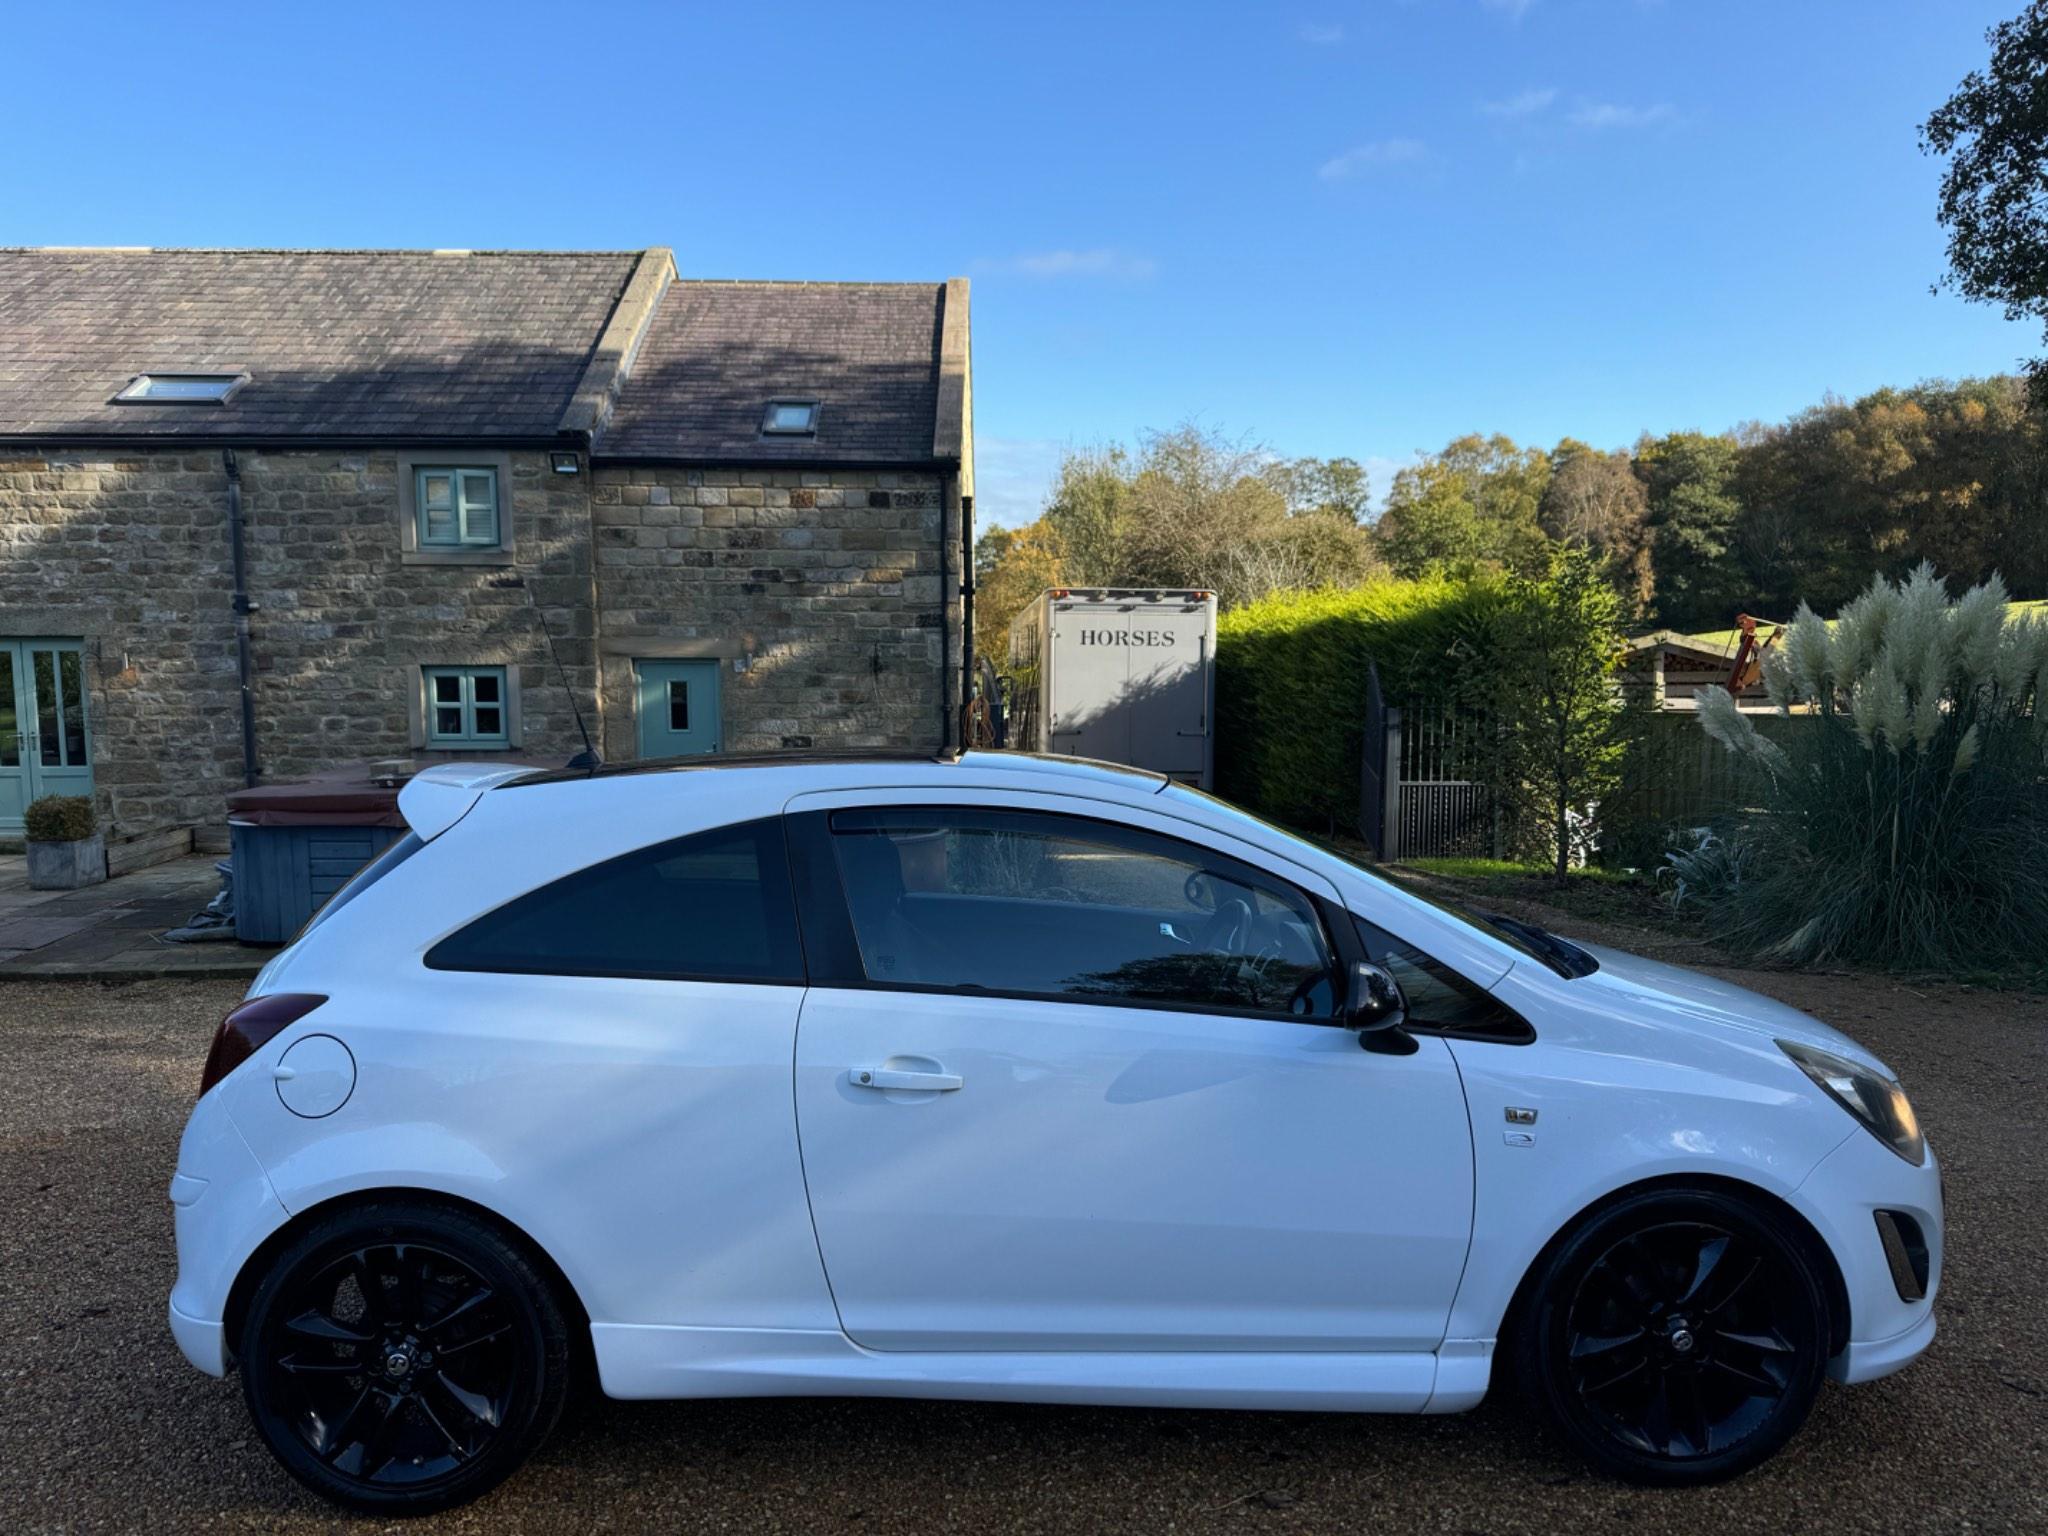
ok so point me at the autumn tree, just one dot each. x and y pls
(1594, 500)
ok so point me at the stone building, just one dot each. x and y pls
(462, 503)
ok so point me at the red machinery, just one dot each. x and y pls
(1749, 654)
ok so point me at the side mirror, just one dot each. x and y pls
(1375, 1010)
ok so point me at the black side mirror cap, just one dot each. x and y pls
(1375, 1010)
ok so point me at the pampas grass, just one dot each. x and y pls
(1907, 825)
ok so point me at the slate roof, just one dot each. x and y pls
(352, 344)
(716, 353)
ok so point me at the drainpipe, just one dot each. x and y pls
(947, 489)
(244, 665)
(967, 677)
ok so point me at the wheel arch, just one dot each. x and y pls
(1803, 1231)
(253, 1267)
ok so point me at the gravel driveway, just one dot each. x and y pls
(104, 1427)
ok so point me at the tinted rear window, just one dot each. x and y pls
(713, 907)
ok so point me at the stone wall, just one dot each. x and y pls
(130, 551)
(818, 592)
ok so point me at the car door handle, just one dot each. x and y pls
(890, 1077)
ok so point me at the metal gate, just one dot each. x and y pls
(1447, 807)
(1422, 792)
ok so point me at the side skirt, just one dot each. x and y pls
(644, 1361)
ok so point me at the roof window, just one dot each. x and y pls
(790, 418)
(182, 388)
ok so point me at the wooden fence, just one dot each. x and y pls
(1676, 774)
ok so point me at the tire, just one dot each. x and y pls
(403, 1358)
(1676, 1337)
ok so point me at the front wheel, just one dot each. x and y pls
(401, 1359)
(1677, 1337)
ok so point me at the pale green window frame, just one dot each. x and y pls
(467, 707)
(457, 506)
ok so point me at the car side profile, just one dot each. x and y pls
(1010, 1078)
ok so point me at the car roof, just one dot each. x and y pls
(437, 798)
(1076, 769)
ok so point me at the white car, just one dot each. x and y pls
(1015, 1078)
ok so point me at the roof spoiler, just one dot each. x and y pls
(435, 800)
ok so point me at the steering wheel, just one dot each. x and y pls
(1228, 929)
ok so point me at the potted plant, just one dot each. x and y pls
(65, 849)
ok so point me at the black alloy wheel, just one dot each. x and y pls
(403, 1359)
(1679, 1337)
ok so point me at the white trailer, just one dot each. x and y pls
(1122, 675)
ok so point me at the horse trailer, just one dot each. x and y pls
(1121, 675)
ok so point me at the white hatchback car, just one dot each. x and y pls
(1005, 1077)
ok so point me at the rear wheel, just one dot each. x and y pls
(401, 1359)
(1677, 1337)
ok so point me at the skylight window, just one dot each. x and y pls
(182, 388)
(791, 418)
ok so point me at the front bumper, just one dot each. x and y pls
(1841, 1198)
(222, 1208)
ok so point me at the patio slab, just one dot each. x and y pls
(114, 930)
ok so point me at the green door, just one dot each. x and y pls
(678, 704)
(44, 745)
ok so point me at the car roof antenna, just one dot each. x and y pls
(588, 758)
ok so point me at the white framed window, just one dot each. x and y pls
(181, 388)
(466, 707)
(790, 418)
(457, 506)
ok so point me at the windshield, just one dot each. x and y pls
(1538, 944)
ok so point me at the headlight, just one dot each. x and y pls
(1877, 1101)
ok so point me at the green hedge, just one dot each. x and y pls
(1291, 683)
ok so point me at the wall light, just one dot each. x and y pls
(565, 463)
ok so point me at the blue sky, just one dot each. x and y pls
(1343, 228)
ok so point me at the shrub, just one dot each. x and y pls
(1909, 825)
(59, 819)
(1291, 682)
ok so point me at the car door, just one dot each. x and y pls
(1067, 1080)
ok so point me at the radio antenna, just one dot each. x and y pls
(588, 758)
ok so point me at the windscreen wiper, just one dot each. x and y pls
(1563, 956)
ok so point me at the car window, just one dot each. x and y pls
(1047, 905)
(713, 907)
(1437, 996)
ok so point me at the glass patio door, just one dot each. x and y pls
(44, 745)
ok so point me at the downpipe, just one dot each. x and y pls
(244, 661)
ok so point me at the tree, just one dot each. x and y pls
(1472, 507)
(1025, 562)
(1692, 521)
(1090, 514)
(1558, 707)
(1330, 487)
(1994, 194)
(1594, 500)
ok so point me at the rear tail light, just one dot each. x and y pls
(251, 1027)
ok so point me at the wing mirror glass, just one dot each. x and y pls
(1375, 1009)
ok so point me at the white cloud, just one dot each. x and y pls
(1365, 157)
(1522, 104)
(1103, 261)
(1012, 476)
(1323, 35)
(1607, 114)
